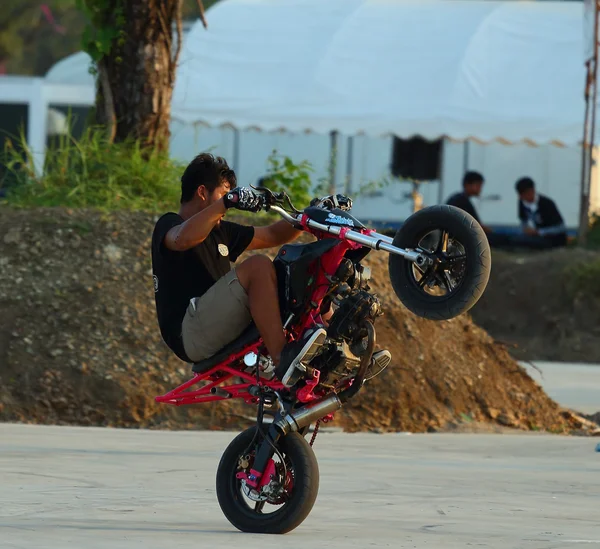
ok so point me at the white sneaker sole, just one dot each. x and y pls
(307, 353)
(380, 361)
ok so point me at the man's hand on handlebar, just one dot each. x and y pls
(243, 198)
(333, 201)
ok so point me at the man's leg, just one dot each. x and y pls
(531, 242)
(257, 276)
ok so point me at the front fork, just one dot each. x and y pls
(264, 454)
(299, 420)
(285, 422)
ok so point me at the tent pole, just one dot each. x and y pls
(349, 162)
(236, 150)
(588, 139)
(583, 222)
(441, 174)
(333, 136)
(594, 111)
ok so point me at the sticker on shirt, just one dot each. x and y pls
(155, 278)
(223, 250)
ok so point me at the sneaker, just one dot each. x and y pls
(379, 362)
(296, 353)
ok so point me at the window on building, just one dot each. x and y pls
(416, 158)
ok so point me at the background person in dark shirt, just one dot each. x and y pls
(472, 185)
(202, 303)
(542, 224)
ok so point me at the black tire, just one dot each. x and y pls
(476, 267)
(291, 513)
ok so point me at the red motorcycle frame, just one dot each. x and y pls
(315, 276)
(217, 375)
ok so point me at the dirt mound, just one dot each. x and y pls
(530, 304)
(79, 343)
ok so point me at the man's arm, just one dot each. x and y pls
(522, 215)
(273, 235)
(553, 217)
(195, 230)
(555, 229)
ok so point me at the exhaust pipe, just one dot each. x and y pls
(302, 417)
(218, 391)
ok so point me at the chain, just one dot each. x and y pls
(315, 432)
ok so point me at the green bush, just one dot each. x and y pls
(582, 278)
(91, 172)
(593, 237)
(295, 179)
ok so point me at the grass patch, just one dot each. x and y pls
(92, 173)
(593, 237)
(582, 278)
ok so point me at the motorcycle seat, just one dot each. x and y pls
(248, 336)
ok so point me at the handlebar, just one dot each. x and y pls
(372, 240)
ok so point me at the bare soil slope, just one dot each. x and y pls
(545, 306)
(79, 343)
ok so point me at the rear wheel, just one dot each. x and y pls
(288, 498)
(460, 263)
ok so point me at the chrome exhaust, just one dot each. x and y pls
(303, 417)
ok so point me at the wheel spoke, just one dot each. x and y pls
(456, 258)
(258, 506)
(427, 276)
(443, 243)
(447, 282)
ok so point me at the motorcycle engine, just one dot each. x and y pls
(346, 332)
(347, 323)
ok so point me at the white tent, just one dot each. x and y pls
(490, 70)
(74, 69)
(507, 71)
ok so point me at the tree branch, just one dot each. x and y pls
(175, 57)
(166, 29)
(202, 18)
(109, 106)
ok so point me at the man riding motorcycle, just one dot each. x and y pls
(202, 303)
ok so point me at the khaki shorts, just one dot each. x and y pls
(216, 318)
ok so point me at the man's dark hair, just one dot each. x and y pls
(524, 184)
(208, 170)
(472, 177)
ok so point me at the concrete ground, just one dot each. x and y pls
(572, 385)
(63, 487)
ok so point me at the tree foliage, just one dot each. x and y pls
(35, 35)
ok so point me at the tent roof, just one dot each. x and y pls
(73, 69)
(489, 70)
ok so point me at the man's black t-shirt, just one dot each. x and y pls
(180, 276)
(462, 201)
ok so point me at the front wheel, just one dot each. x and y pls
(288, 498)
(460, 266)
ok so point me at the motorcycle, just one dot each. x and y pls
(439, 265)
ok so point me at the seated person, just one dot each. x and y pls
(472, 185)
(543, 226)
